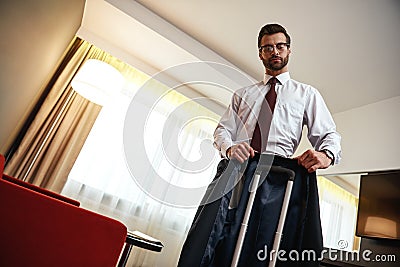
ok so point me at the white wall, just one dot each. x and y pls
(34, 36)
(370, 137)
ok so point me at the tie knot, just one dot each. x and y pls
(272, 81)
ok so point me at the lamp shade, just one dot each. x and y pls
(378, 226)
(97, 81)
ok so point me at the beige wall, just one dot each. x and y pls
(370, 138)
(34, 35)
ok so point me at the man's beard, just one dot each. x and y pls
(275, 66)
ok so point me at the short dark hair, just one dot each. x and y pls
(271, 29)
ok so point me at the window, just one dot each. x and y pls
(338, 211)
(101, 180)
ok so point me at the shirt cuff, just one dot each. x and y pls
(224, 148)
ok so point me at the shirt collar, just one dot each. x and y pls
(282, 78)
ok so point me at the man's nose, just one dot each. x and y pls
(275, 50)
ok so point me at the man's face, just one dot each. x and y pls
(274, 55)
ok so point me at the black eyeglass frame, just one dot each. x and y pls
(279, 47)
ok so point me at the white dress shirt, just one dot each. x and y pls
(297, 104)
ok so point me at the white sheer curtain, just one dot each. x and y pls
(101, 181)
(338, 215)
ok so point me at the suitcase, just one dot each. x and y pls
(264, 166)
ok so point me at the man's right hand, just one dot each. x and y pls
(241, 152)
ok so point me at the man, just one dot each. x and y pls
(267, 117)
(297, 104)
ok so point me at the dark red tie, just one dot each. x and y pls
(264, 119)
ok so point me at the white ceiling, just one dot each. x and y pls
(347, 49)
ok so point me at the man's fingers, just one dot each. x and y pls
(312, 169)
(246, 147)
(241, 155)
(308, 161)
(303, 158)
(252, 152)
(312, 160)
(241, 152)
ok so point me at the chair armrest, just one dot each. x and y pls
(40, 190)
(141, 240)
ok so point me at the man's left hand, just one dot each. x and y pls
(313, 160)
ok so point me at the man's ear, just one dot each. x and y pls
(260, 56)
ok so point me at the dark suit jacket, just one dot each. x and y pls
(212, 237)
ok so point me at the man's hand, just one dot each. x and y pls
(313, 160)
(240, 152)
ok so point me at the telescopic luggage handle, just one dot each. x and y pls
(264, 165)
(282, 217)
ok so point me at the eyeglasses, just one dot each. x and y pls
(270, 48)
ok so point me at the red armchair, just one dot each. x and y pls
(41, 228)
